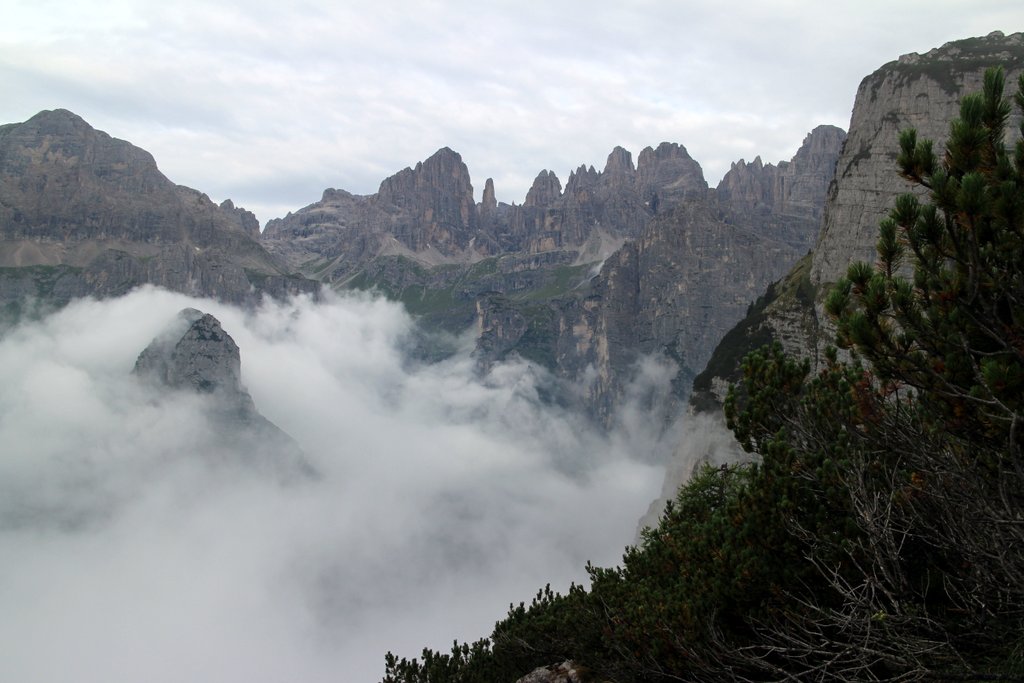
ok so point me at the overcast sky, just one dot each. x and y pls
(269, 102)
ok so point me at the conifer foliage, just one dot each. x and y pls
(923, 426)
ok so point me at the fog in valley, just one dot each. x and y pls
(134, 549)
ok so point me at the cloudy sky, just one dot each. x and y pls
(270, 102)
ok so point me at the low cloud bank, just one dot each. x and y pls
(132, 549)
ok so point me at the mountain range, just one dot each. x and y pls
(594, 280)
(586, 280)
(628, 262)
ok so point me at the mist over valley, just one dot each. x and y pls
(136, 545)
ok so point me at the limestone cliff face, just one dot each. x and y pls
(667, 175)
(195, 353)
(673, 292)
(426, 211)
(917, 90)
(432, 205)
(546, 190)
(246, 220)
(920, 91)
(619, 201)
(787, 196)
(82, 213)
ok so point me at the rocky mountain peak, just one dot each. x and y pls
(489, 202)
(445, 162)
(665, 151)
(994, 45)
(100, 216)
(922, 91)
(50, 161)
(194, 352)
(822, 140)
(65, 128)
(441, 172)
(619, 166)
(432, 205)
(583, 178)
(668, 174)
(246, 220)
(793, 188)
(546, 189)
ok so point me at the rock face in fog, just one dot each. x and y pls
(194, 354)
(784, 199)
(428, 213)
(85, 214)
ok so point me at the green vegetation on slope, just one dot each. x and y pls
(445, 297)
(879, 536)
(36, 290)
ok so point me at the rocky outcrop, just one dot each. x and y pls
(672, 293)
(488, 208)
(921, 91)
(431, 206)
(619, 201)
(784, 200)
(566, 672)
(246, 220)
(194, 354)
(546, 190)
(85, 214)
(667, 175)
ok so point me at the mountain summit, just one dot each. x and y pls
(195, 354)
(82, 213)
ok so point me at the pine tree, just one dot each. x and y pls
(923, 427)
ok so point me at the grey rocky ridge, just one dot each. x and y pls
(85, 214)
(586, 280)
(195, 354)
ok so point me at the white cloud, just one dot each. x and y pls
(133, 549)
(270, 103)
